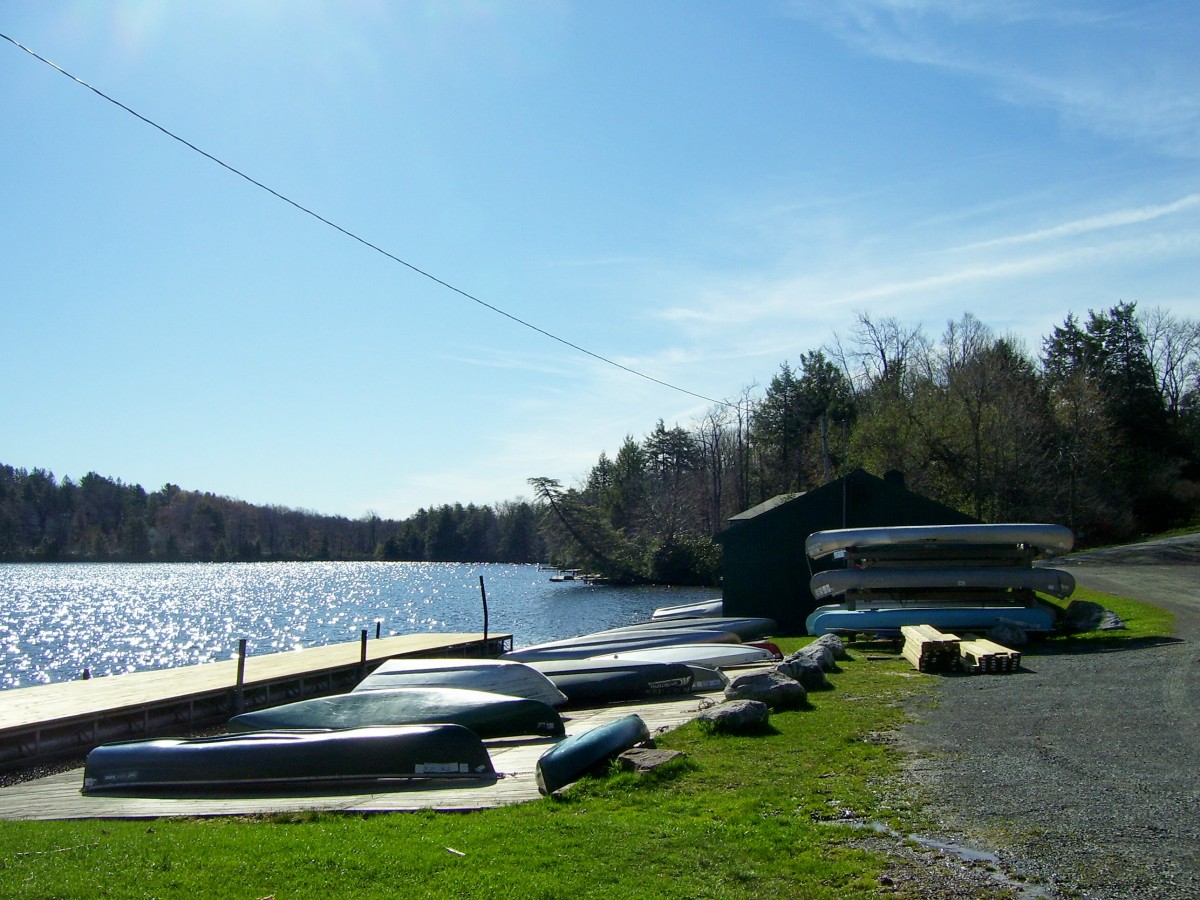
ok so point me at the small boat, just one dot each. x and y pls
(495, 675)
(707, 678)
(488, 715)
(272, 760)
(717, 656)
(943, 616)
(597, 682)
(598, 644)
(746, 628)
(1043, 537)
(569, 759)
(696, 610)
(956, 579)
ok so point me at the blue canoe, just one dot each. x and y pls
(944, 617)
(273, 760)
(567, 760)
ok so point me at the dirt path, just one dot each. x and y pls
(1081, 772)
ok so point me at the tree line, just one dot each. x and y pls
(101, 519)
(1099, 430)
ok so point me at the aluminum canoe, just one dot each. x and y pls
(1058, 538)
(747, 628)
(272, 760)
(495, 675)
(690, 610)
(834, 582)
(599, 644)
(488, 715)
(716, 656)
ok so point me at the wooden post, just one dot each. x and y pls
(378, 626)
(239, 699)
(362, 655)
(483, 593)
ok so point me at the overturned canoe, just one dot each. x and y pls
(690, 610)
(567, 760)
(943, 616)
(1043, 537)
(717, 656)
(495, 675)
(266, 760)
(597, 644)
(833, 582)
(596, 682)
(748, 628)
(488, 715)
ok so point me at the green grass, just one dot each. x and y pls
(739, 816)
(1143, 622)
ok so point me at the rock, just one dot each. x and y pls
(645, 759)
(821, 654)
(835, 645)
(773, 688)
(1008, 635)
(736, 717)
(1084, 615)
(805, 671)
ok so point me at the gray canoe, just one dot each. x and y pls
(591, 682)
(716, 656)
(495, 675)
(599, 644)
(272, 760)
(747, 628)
(488, 715)
(696, 610)
(1044, 537)
(942, 578)
(567, 760)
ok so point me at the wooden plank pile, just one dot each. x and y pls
(930, 650)
(982, 656)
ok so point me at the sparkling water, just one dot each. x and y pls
(56, 620)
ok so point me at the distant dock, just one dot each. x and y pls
(41, 723)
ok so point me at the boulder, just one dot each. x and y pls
(807, 672)
(818, 653)
(1008, 634)
(771, 687)
(835, 644)
(1084, 615)
(736, 717)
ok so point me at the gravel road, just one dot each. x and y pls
(1080, 773)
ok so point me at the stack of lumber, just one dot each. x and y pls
(930, 650)
(982, 656)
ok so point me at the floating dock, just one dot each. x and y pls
(46, 722)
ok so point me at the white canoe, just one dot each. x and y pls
(701, 609)
(597, 644)
(1044, 537)
(715, 656)
(833, 582)
(748, 628)
(495, 675)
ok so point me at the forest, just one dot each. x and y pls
(1099, 429)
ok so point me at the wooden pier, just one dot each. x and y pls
(69, 718)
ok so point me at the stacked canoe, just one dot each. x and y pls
(953, 577)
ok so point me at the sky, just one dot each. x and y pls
(696, 191)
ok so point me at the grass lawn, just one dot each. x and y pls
(739, 816)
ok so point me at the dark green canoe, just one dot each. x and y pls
(596, 682)
(567, 760)
(266, 760)
(488, 715)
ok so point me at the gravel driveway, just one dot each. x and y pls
(1080, 773)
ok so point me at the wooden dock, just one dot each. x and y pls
(70, 718)
(515, 761)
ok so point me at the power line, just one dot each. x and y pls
(356, 237)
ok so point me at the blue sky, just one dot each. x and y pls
(698, 191)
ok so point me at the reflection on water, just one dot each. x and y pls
(58, 619)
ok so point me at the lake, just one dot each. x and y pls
(58, 619)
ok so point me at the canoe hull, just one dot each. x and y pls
(598, 644)
(947, 617)
(488, 715)
(835, 582)
(266, 760)
(690, 610)
(717, 656)
(587, 683)
(497, 676)
(567, 760)
(746, 628)
(1045, 537)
